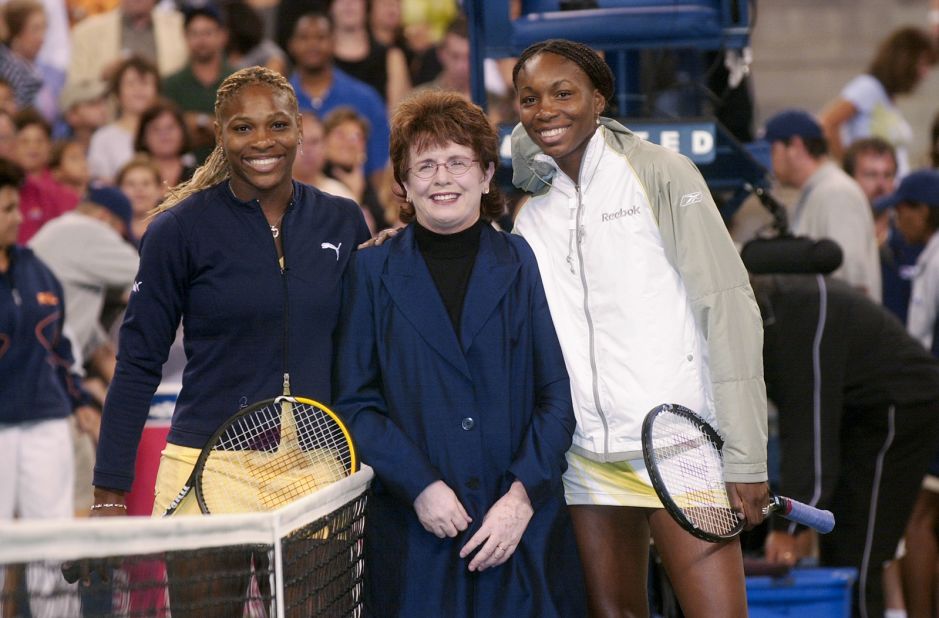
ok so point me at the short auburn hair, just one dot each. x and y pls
(436, 118)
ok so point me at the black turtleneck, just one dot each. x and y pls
(450, 258)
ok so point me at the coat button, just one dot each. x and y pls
(467, 423)
(472, 483)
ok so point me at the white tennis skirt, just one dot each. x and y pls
(619, 483)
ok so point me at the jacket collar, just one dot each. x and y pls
(534, 174)
(412, 289)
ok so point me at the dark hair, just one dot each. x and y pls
(16, 13)
(436, 118)
(29, 116)
(137, 63)
(209, 11)
(343, 114)
(896, 63)
(869, 145)
(584, 57)
(160, 107)
(458, 27)
(817, 147)
(313, 14)
(245, 27)
(11, 174)
(58, 151)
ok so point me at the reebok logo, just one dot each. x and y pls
(691, 198)
(619, 214)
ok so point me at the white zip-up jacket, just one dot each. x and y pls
(649, 297)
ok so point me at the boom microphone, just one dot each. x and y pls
(791, 255)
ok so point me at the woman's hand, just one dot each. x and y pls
(440, 512)
(748, 501)
(501, 530)
(381, 237)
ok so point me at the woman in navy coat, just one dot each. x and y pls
(449, 373)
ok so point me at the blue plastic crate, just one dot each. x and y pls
(807, 593)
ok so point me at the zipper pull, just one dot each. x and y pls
(16, 297)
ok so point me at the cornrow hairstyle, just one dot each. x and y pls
(216, 169)
(584, 57)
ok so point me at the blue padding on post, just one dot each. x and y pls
(613, 28)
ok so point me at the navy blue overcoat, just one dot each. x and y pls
(477, 412)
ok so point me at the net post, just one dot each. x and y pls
(279, 576)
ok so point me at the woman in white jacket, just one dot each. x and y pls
(652, 305)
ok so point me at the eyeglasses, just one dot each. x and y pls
(425, 170)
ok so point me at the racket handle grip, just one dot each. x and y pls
(819, 520)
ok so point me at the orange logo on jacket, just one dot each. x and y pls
(47, 298)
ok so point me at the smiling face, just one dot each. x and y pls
(445, 203)
(258, 131)
(559, 107)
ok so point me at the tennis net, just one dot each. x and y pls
(303, 560)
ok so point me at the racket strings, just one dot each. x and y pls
(272, 456)
(691, 468)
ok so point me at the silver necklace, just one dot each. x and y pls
(275, 228)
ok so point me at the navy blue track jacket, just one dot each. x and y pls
(212, 262)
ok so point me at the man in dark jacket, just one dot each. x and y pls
(858, 402)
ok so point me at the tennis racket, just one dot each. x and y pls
(268, 455)
(683, 456)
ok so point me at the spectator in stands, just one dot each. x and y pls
(916, 203)
(311, 160)
(468, 517)
(360, 55)
(69, 165)
(866, 106)
(84, 108)
(831, 204)
(384, 20)
(36, 83)
(247, 44)
(872, 162)
(42, 198)
(89, 252)
(671, 318)
(140, 181)
(193, 88)
(858, 402)
(38, 393)
(163, 136)
(453, 53)
(101, 43)
(321, 87)
(7, 135)
(345, 136)
(7, 97)
(135, 86)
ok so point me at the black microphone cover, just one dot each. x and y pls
(791, 255)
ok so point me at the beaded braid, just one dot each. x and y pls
(584, 57)
(215, 169)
